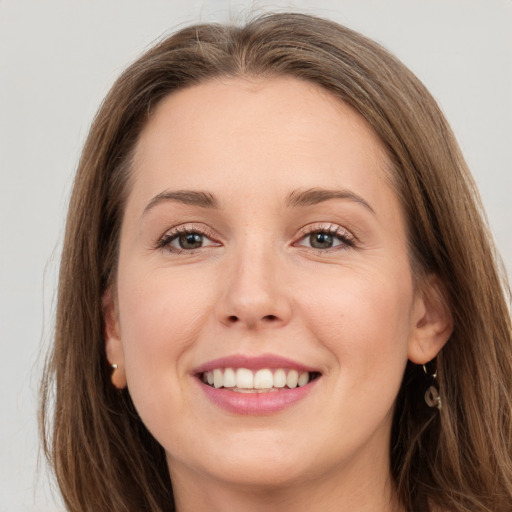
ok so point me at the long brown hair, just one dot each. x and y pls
(457, 459)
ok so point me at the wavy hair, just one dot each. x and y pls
(457, 459)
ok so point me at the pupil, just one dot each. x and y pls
(321, 240)
(190, 241)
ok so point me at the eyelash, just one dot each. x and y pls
(169, 237)
(342, 235)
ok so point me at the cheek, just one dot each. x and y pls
(365, 323)
(160, 318)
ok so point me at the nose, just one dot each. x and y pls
(254, 293)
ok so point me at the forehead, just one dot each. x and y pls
(251, 130)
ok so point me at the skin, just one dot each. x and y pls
(256, 286)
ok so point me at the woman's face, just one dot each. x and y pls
(263, 249)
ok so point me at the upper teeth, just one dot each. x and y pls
(243, 378)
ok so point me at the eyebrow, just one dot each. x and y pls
(314, 196)
(296, 199)
(191, 197)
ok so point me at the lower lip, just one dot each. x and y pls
(256, 403)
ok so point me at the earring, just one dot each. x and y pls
(118, 376)
(432, 397)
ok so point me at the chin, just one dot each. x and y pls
(268, 473)
(259, 461)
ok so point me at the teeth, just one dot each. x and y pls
(292, 378)
(263, 379)
(244, 380)
(229, 378)
(280, 378)
(303, 379)
(218, 378)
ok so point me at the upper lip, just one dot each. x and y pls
(253, 363)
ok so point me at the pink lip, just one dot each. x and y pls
(254, 403)
(253, 363)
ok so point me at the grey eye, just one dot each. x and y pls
(321, 240)
(189, 240)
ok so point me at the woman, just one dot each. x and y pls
(277, 290)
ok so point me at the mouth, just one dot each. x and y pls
(263, 380)
(262, 385)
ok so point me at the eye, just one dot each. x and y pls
(321, 240)
(325, 238)
(188, 241)
(185, 240)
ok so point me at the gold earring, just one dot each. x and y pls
(118, 378)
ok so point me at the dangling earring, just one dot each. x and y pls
(432, 397)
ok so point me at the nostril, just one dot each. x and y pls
(270, 318)
(232, 319)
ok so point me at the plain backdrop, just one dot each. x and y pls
(57, 61)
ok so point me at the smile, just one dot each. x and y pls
(244, 380)
(261, 385)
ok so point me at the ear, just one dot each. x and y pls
(113, 344)
(432, 323)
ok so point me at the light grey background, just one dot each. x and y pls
(58, 59)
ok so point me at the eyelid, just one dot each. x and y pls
(348, 239)
(344, 235)
(163, 242)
